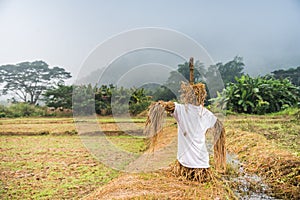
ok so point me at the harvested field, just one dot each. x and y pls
(43, 158)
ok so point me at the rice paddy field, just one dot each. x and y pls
(44, 158)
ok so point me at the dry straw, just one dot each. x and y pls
(193, 94)
(155, 120)
(154, 124)
(193, 174)
(219, 146)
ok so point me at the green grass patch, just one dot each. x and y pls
(282, 130)
(129, 143)
(289, 111)
(49, 167)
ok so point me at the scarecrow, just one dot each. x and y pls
(193, 121)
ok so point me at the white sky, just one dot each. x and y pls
(63, 32)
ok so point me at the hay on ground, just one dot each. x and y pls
(193, 174)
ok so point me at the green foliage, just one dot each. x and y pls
(210, 76)
(163, 93)
(232, 69)
(83, 99)
(130, 100)
(214, 83)
(106, 100)
(138, 101)
(3, 111)
(170, 90)
(22, 110)
(292, 74)
(103, 99)
(59, 97)
(260, 95)
(291, 111)
(137, 108)
(28, 80)
(219, 103)
(199, 71)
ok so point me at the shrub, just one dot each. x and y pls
(2, 114)
(260, 95)
(137, 108)
(3, 111)
(22, 110)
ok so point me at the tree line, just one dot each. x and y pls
(31, 82)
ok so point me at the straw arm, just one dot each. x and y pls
(168, 106)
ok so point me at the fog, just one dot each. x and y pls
(64, 33)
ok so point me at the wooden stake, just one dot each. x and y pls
(191, 64)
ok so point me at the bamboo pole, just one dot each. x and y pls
(191, 64)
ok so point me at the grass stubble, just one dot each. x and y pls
(56, 165)
(270, 152)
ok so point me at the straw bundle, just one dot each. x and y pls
(169, 106)
(193, 94)
(155, 120)
(219, 146)
(192, 174)
(154, 123)
(156, 117)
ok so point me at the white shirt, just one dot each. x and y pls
(193, 122)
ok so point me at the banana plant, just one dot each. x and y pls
(261, 95)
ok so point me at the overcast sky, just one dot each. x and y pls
(63, 32)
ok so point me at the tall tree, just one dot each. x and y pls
(199, 71)
(59, 97)
(231, 69)
(172, 86)
(28, 80)
(213, 83)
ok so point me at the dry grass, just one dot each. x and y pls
(200, 175)
(58, 167)
(279, 167)
(160, 185)
(219, 146)
(193, 94)
(39, 161)
(36, 126)
(43, 126)
(282, 130)
(155, 120)
(48, 167)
